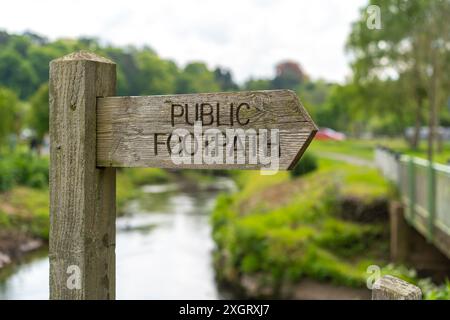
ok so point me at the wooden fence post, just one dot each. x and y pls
(431, 199)
(392, 288)
(82, 196)
(411, 190)
(400, 233)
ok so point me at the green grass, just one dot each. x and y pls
(25, 209)
(440, 157)
(143, 176)
(251, 182)
(356, 148)
(287, 228)
(364, 149)
(261, 232)
(362, 182)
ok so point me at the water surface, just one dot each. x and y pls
(164, 250)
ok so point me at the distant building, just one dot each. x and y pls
(443, 132)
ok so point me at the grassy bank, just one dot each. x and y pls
(278, 230)
(24, 196)
(24, 209)
(281, 229)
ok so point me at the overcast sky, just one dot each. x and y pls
(247, 36)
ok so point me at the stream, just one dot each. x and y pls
(163, 249)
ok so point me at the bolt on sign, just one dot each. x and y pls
(93, 132)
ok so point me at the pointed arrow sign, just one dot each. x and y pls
(228, 130)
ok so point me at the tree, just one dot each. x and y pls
(196, 78)
(9, 113)
(289, 75)
(155, 75)
(258, 84)
(225, 80)
(356, 109)
(17, 73)
(39, 57)
(39, 113)
(412, 46)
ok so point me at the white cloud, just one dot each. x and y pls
(249, 37)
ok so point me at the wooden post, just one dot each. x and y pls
(82, 196)
(400, 233)
(431, 198)
(411, 190)
(392, 288)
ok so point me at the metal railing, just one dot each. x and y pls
(424, 188)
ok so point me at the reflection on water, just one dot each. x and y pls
(163, 251)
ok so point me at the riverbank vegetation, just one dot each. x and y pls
(24, 193)
(329, 225)
(282, 229)
(24, 198)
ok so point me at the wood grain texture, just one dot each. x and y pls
(82, 196)
(126, 126)
(392, 288)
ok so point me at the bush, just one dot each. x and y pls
(23, 168)
(143, 176)
(307, 164)
(433, 292)
(274, 237)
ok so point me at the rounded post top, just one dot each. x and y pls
(392, 288)
(83, 55)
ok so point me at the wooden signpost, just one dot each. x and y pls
(92, 132)
(136, 131)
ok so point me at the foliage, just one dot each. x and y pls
(143, 176)
(289, 75)
(125, 190)
(225, 80)
(24, 67)
(23, 168)
(27, 211)
(9, 113)
(433, 292)
(196, 77)
(404, 65)
(307, 163)
(154, 76)
(16, 72)
(430, 291)
(39, 113)
(288, 229)
(257, 84)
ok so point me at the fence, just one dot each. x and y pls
(424, 188)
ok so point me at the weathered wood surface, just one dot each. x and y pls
(82, 196)
(126, 126)
(392, 288)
